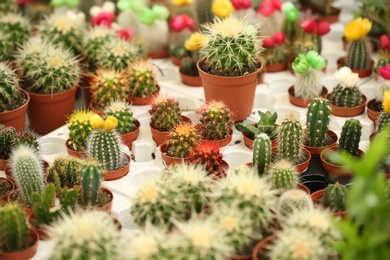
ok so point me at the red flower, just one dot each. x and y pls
(279, 38)
(385, 42)
(385, 72)
(125, 34)
(268, 42)
(241, 4)
(323, 28)
(309, 25)
(103, 19)
(22, 3)
(180, 22)
(267, 8)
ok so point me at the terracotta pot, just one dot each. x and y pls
(11, 189)
(276, 67)
(361, 72)
(372, 114)
(107, 208)
(3, 164)
(85, 85)
(241, 257)
(47, 112)
(161, 137)
(42, 232)
(261, 247)
(192, 81)
(17, 117)
(303, 187)
(74, 153)
(299, 102)
(319, 194)
(129, 138)
(238, 93)
(142, 101)
(24, 254)
(176, 60)
(117, 174)
(302, 167)
(11, 199)
(93, 108)
(160, 54)
(347, 111)
(332, 18)
(222, 142)
(316, 151)
(169, 160)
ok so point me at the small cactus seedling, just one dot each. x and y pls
(142, 78)
(384, 117)
(184, 138)
(346, 93)
(91, 176)
(317, 122)
(28, 138)
(292, 200)
(94, 39)
(262, 153)
(164, 113)
(121, 110)
(350, 136)
(266, 124)
(7, 140)
(10, 96)
(335, 197)
(68, 170)
(79, 128)
(283, 176)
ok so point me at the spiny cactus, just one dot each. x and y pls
(335, 197)
(350, 136)
(68, 170)
(184, 138)
(292, 200)
(317, 122)
(28, 138)
(6, 47)
(29, 52)
(85, 235)
(28, 172)
(233, 48)
(93, 40)
(358, 55)
(204, 13)
(290, 139)
(384, 117)
(42, 205)
(91, 176)
(7, 140)
(276, 55)
(79, 128)
(142, 78)
(266, 124)
(8, 6)
(14, 232)
(305, 42)
(10, 96)
(346, 93)
(283, 176)
(104, 143)
(188, 66)
(16, 29)
(208, 155)
(121, 111)
(261, 153)
(108, 85)
(164, 113)
(66, 196)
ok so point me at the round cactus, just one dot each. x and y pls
(85, 235)
(292, 200)
(184, 138)
(350, 136)
(94, 39)
(16, 29)
(29, 52)
(164, 113)
(8, 6)
(91, 176)
(335, 197)
(216, 121)
(276, 55)
(7, 140)
(358, 54)
(261, 153)
(68, 170)
(283, 176)
(317, 122)
(121, 111)
(188, 66)
(10, 96)
(346, 93)
(79, 128)
(28, 138)
(142, 78)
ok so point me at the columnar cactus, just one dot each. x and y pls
(164, 113)
(346, 93)
(27, 170)
(15, 29)
(317, 122)
(91, 176)
(292, 200)
(184, 138)
(8, 6)
(283, 176)
(104, 143)
(68, 170)
(290, 24)
(121, 111)
(10, 95)
(216, 120)
(290, 139)
(262, 150)
(384, 117)
(28, 138)
(7, 140)
(203, 11)
(142, 78)
(14, 233)
(85, 235)
(335, 197)
(350, 136)
(79, 128)
(94, 39)
(276, 55)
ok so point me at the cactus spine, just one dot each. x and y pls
(121, 111)
(7, 140)
(204, 13)
(9, 6)
(216, 121)
(276, 55)
(142, 78)
(261, 153)
(94, 39)
(91, 176)
(292, 200)
(67, 169)
(283, 176)
(346, 97)
(28, 138)
(164, 113)
(317, 121)
(10, 96)
(16, 31)
(335, 196)
(79, 129)
(350, 136)
(358, 55)
(184, 138)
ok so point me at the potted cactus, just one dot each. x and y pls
(7, 140)
(374, 106)
(262, 151)
(181, 26)
(384, 52)
(307, 85)
(239, 67)
(189, 73)
(276, 53)
(283, 176)
(333, 197)
(359, 50)
(383, 119)
(67, 169)
(346, 99)
(290, 201)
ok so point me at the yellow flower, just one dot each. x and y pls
(110, 123)
(96, 121)
(357, 29)
(195, 42)
(181, 2)
(222, 8)
(386, 102)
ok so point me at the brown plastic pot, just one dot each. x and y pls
(319, 194)
(347, 111)
(299, 102)
(361, 72)
(159, 54)
(316, 151)
(12, 187)
(119, 173)
(106, 208)
(261, 247)
(42, 232)
(169, 160)
(276, 67)
(372, 114)
(24, 254)
(161, 137)
(192, 81)
(142, 101)
(303, 187)
(3, 164)
(94, 109)
(176, 60)
(129, 138)
(17, 117)
(74, 153)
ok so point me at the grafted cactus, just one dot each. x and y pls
(346, 93)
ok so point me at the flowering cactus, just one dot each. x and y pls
(309, 36)
(121, 111)
(384, 52)
(79, 128)
(275, 50)
(346, 93)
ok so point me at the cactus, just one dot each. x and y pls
(261, 153)
(317, 122)
(28, 138)
(233, 47)
(14, 232)
(184, 138)
(266, 124)
(79, 128)
(283, 176)
(276, 55)
(306, 42)
(28, 172)
(7, 140)
(93, 40)
(142, 78)
(216, 121)
(67, 197)
(358, 55)
(6, 47)
(67, 169)
(335, 197)
(121, 111)
(208, 155)
(384, 117)
(164, 113)
(8, 6)
(383, 59)
(188, 66)
(85, 235)
(383, 87)
(108, 85)
(292, 200)
(346, 93)
(290, 24)
(43, 212)
(91, 176)
(290, 139)
(179, 51)
(29, 52)
(204, 13)
(10, 96)
(350, 136)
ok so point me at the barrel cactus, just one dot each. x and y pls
(28, 53)
(283, 176)
(28, 138)
(10, 96)
(346, 93)
(68, 170)
(121, 110)
(94, 39)
(292, 200)
(7, 140)
(350, 136)
(8, 6)
(79, 128)
(262, 150)
(335, 197)
(164, 113)
(317, 122)
(91, 176)
(184, 138)
(142, 78)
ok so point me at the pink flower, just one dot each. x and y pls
(385, 72)
(268, 43)
(279, 38)
(103, 19)
(125, 34)
(22, 3)
(266, 8)
(385, 42)
(309, 25)
(323, 28)
(241, 4)
(180, 22)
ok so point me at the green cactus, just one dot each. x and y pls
(164, 113)
(306, 42)
(276, 55)
(6, 48)
(108, 85)
(384, 86)
(93, 40)
(14, 232)
(383, 121)
(184, 138)
(121, 111)
(346, 97)
(7, 140)
(292, 200)
(67, 197)
(335, 197)
(67, 169)
(8, 6)
(10, 96)
(350, 136)
(283, 176)
(28, 53)
(204, 13)
(179, 51)
(383, 59)
(290, 139)
(188, 66)
(28, 172)
(358, 54)
(215, 121)
(317, 122)
(43, 204)
(387, 190)
(142, 78)
(79, 128)
(262, 153)
(91, 176)
(234, 53)
(290, 24)
(28, 138)
(266, 124)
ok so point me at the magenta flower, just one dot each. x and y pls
(384, 71)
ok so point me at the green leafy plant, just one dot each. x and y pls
(378, 13)
(266, 124)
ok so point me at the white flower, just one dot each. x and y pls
(346, 77)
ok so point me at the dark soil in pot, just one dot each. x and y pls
(376, 106)
(102, 200)
(5, 187)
